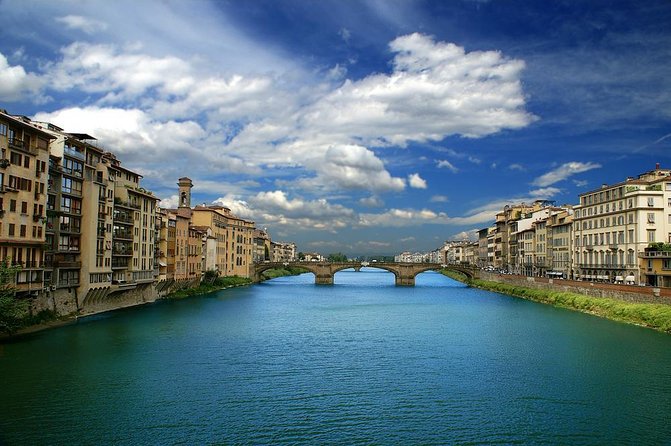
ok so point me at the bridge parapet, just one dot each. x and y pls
(404, 273)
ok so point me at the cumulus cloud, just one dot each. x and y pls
(563, 172)
(172, 202)
(80, 23)
(516, 166)
(545, 192)
(129, 131)
(278, 209)
(465, 235)
(16, 83)
(403, 217)
(371, 202)
(254, 121)
(447, 165)
(439, 199)
(415, 181)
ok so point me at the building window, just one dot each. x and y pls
(651, 201)
(651, 235)
(651, 217)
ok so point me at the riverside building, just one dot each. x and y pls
(615, 223)
(24, 157)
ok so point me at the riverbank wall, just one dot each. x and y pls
(625, 293)
(644, 306)
(70, 302)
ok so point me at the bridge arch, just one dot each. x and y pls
(404, 273)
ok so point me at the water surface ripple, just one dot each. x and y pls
(360, 362)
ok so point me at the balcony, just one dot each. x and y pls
(611, 266)
(120, 263)
(70, 229)
(123, 218)
(123, 235)
(68, 282)
(15, 143)
(654, 254)
(68, 249)
(63, 264)
(126, 204)
(70, 191)
(122, 252)
(71, 152)
(28, 265)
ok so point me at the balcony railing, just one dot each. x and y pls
(69, 151)
(68, 282)
(28, 265)
(123, 218)
(120, 263)
(15, 143)
(71, 229)
(609, 266)
(124, 235)
(655, 254)
(126, 204)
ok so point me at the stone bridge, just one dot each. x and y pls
(405, 273)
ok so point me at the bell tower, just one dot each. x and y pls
(185, 186)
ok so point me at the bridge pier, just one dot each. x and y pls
(405, 280)
(323, 279)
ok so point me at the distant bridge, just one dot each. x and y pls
(404, 273)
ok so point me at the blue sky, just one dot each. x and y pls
(367, 127)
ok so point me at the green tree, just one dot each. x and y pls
(337, 257)
(12, 310)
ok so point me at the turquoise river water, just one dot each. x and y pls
(359, 362)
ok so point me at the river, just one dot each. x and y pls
(359, 362)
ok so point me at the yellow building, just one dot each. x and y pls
(615, 223)
(656, 265)
(24, 159)
(234, 238)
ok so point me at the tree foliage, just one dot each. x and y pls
(337, 257)
(12, 310)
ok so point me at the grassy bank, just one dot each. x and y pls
(203, 288)
(655, 316)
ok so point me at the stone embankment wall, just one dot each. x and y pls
(68, 302)
(627, 293)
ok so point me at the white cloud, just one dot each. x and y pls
(249, 121)
(446, 164)
(16, 84)
(563, 172)
(371, 202)
(415, 181)
(345, 34)
(545, 192)
(80, 23)
(471, 235)
(439, 199)
(171, 202)
(277, 209)
(516, 166)
(403, 217)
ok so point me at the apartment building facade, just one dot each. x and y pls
(615, 223)
(24, 158)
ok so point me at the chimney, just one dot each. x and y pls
(657, 166)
